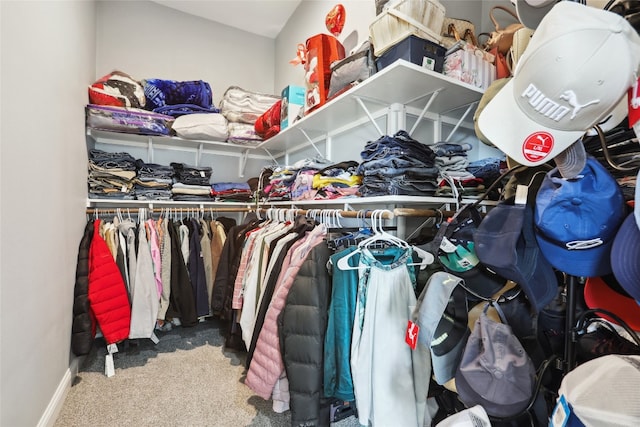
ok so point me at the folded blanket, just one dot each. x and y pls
(243, 106)
(243, 133)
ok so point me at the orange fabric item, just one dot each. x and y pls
(502, 67)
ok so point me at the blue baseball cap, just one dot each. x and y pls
(505, 242)
(576, 220)
(624, 256)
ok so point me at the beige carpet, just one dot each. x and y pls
(187, 379)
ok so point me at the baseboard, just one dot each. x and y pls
(50, 415)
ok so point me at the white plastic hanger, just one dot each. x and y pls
(382, 236)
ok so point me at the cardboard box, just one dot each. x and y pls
(292, 106)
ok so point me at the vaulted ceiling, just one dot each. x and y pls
(262, 17)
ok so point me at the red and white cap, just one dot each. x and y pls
(577, 67)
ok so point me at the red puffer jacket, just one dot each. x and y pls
(107, 293)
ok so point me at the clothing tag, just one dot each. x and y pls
(123, 189)
(109, 370)
(112, 348)
(202, 174)
(521, 195)
(411, 337)
(560, 414)
(633, 99)
(447, 246)
(154, 338)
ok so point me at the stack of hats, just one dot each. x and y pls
(619, 292)
(562, 86)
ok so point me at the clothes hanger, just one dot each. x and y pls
(625, 166)
(381, 235)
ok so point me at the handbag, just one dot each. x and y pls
(355, 68)
(452, 28)
(502, 38)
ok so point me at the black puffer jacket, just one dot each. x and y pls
(302, 326)
(82, 328)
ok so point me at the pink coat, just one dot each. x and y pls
(267, 365)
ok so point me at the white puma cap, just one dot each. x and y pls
(577, 67)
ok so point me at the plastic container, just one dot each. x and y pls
(417, 50)
(402, 18)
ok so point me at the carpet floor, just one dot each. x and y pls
(187, 379)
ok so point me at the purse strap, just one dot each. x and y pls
(470, 37)
(453, 32)
(505, 9)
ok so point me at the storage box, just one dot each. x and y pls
(469, 65)
(402, 18)
(292, 106)
(423, 52)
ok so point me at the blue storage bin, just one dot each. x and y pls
(414, 49)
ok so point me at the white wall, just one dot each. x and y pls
(307, 21)
(47, 61)
(51, 50)
(148, 40)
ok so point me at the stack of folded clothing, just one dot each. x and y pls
(398, 165)
(452, 163)
(294, 182)
(337, 180)
(242, 108)
(231, 192)
(191, 183)
(280, 183)
(488, 170)
(302, 186)
(153, 181)
(111, 175)
(451, 159)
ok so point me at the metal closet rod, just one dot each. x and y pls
(387, 214)
(364, 213)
